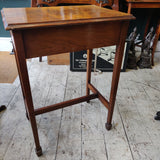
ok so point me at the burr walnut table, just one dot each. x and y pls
(147, 4)
(54, 30)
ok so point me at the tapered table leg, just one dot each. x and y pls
(24, 79)
(116, 73)
(40, 59)
(89, 68)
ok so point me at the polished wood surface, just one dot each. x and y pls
(54, 16)
(43, 33)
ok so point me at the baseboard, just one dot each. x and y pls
(5, 44)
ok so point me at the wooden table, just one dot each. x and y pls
(147, 4)
(54, 30)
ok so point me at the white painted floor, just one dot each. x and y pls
(78, 132)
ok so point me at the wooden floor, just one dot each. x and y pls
(78, 132)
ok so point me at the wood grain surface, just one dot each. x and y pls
(52, 16)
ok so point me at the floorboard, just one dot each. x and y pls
(78, 132)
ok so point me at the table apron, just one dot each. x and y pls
(145, 5)
(61, 39)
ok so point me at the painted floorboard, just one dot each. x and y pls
(115, 140)
(78, 132)
(69, 140)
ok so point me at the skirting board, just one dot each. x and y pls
(6, 45)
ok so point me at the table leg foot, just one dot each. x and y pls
(2, 107)
(39, 151)
(108, 126)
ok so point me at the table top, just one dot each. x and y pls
(143, 1)
(20, 18)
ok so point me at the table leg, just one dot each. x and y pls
(24, 78)
(89, 68)
(22, 89)
(129, 8)
(33, 3)
(40, 59)
(115, 5)
(116, 73)
(147, 26)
